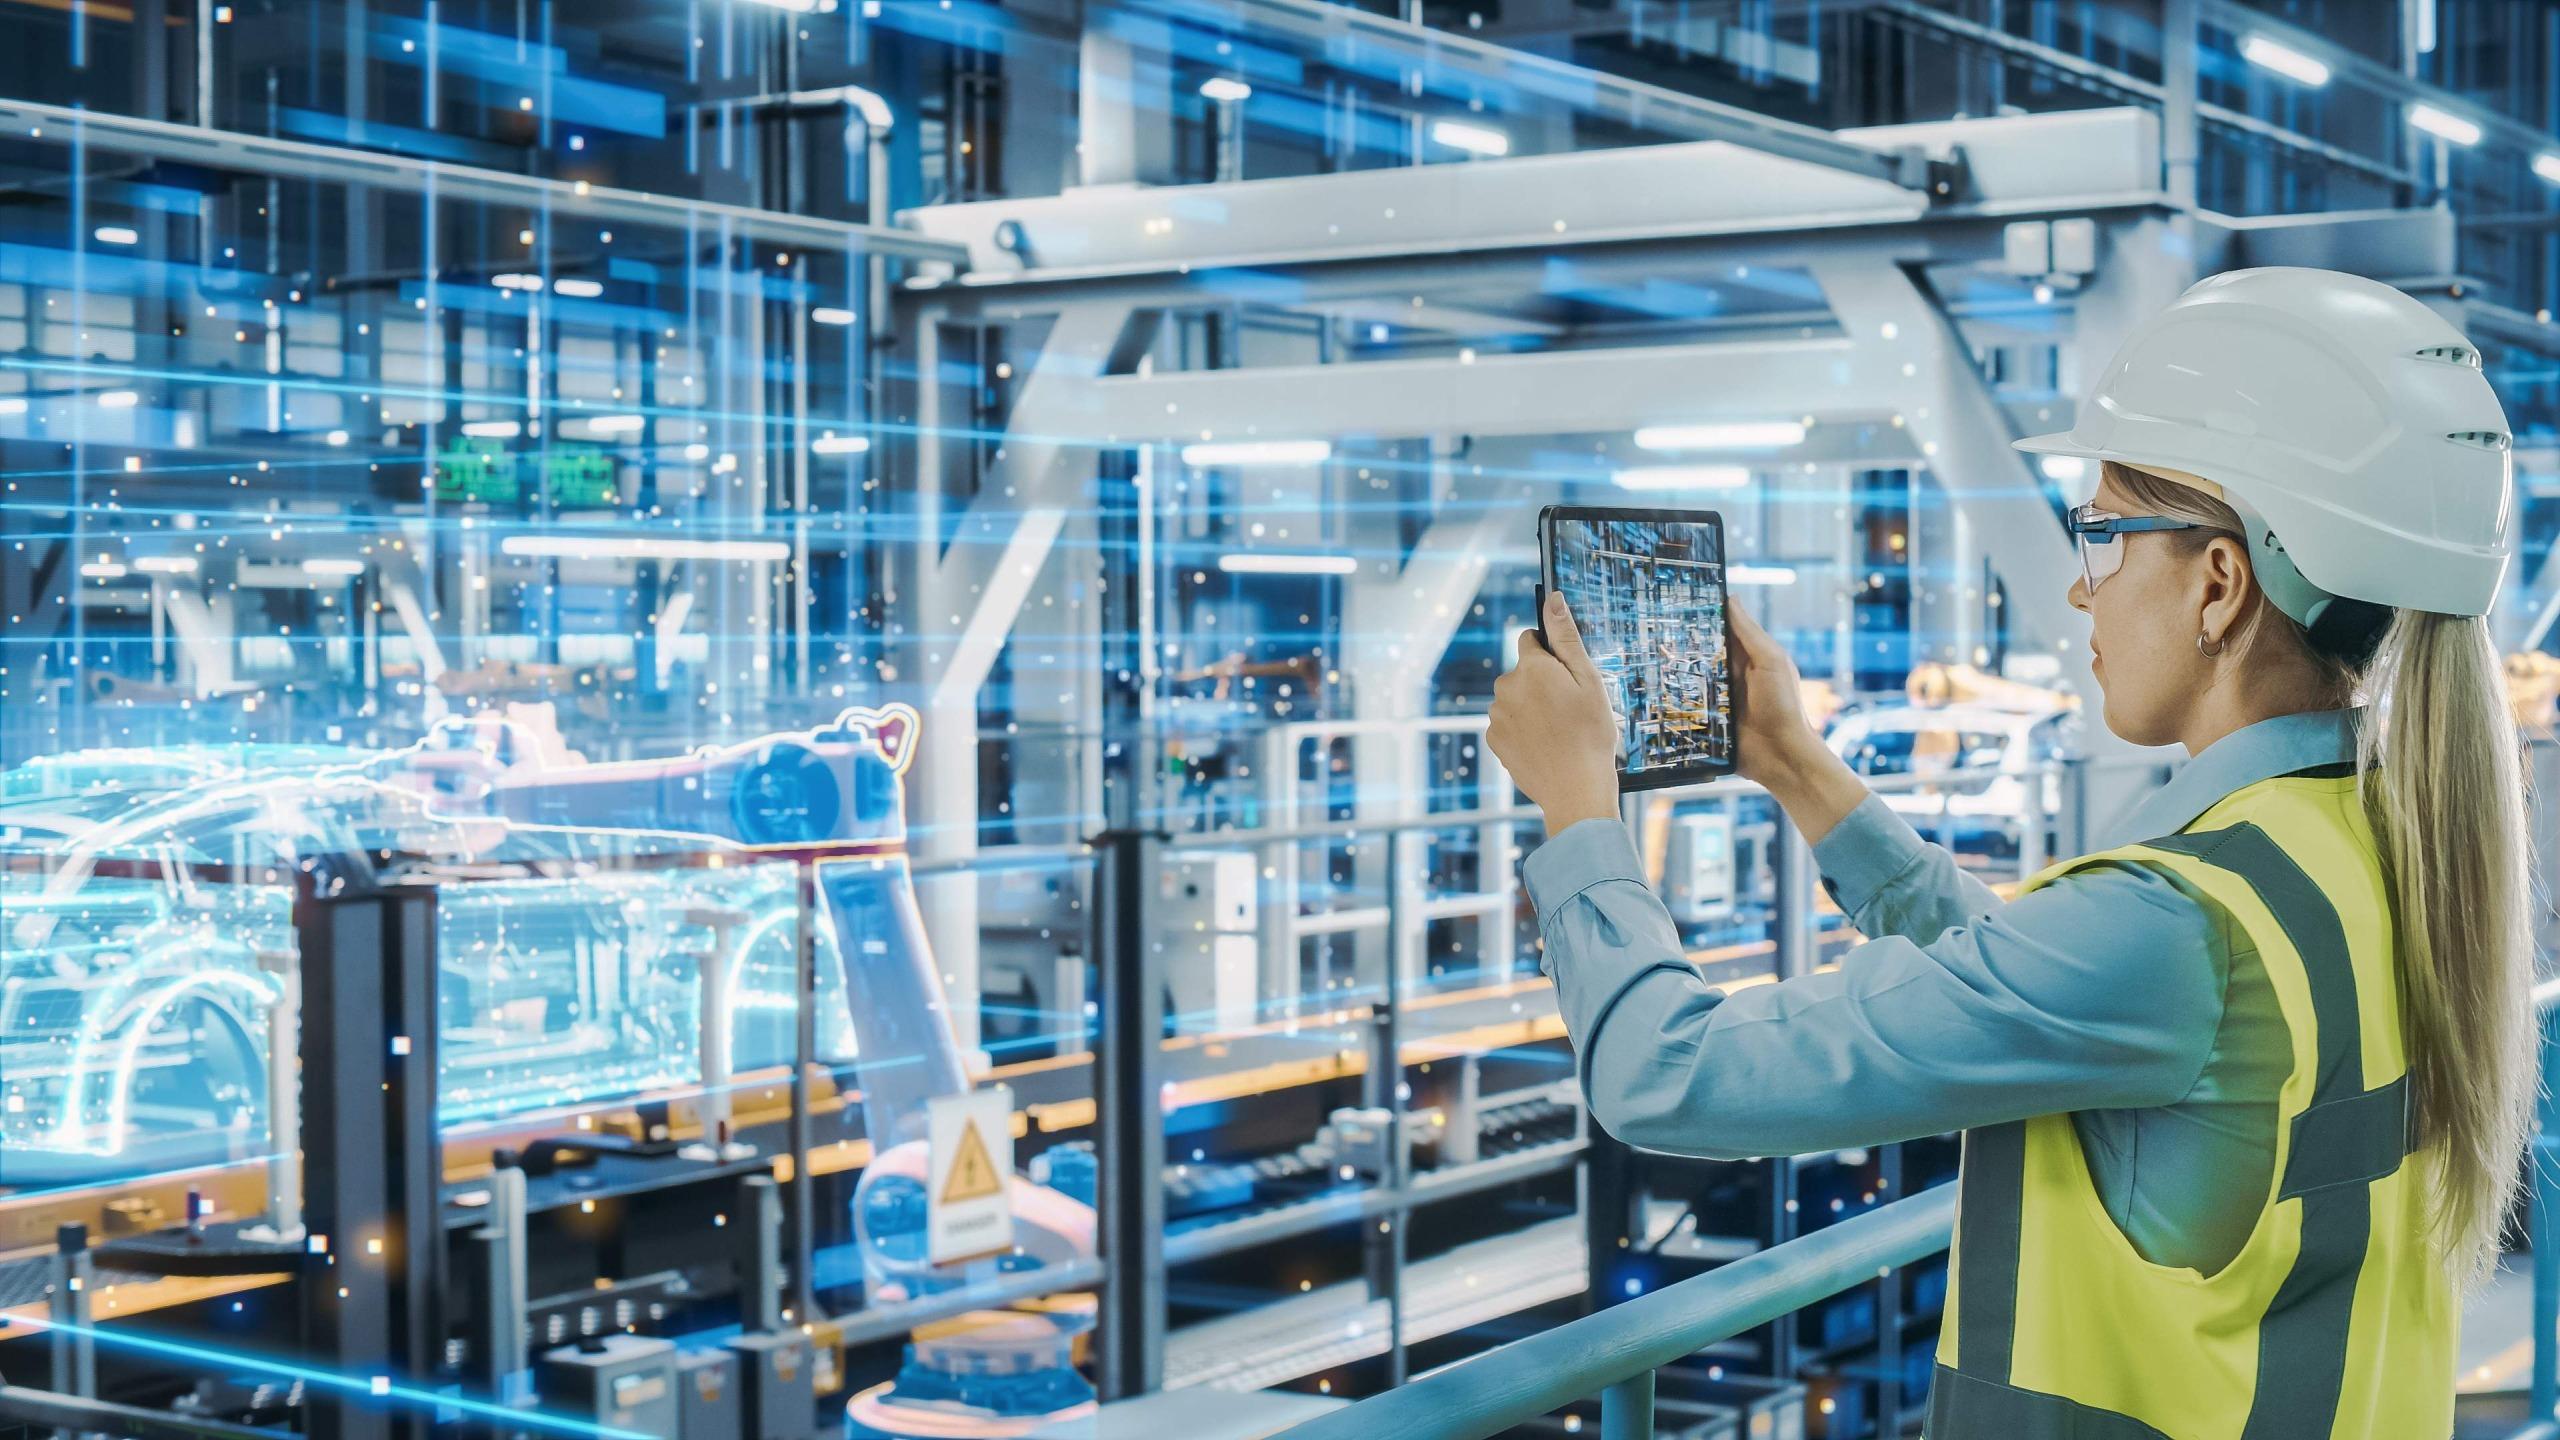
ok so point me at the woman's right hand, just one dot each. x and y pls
(1775, 743)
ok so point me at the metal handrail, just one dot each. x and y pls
(1615, 1352)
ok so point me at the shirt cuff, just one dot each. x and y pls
(1588, 853)
(1865, 852)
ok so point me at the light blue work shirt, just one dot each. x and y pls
(2117, 994)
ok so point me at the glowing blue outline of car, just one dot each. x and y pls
(135, 1009)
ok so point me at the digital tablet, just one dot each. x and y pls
(1647, 589)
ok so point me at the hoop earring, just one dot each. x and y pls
(2213, 654)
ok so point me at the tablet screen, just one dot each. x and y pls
(1648, 594)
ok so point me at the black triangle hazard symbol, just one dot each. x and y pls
(973, 1172)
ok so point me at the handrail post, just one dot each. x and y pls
(804, 1058)
(2032, 819)
(1130, 1099)
(1626, 1408)
(1791, 877)
(2071, 825)
(74, 1356)
(1386, 1248)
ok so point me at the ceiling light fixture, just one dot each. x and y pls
(1257, 452)
(1722, 435)
(2284, 60)
(1268, 564)
(1682, 477)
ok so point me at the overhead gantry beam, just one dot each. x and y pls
(1354, 40)
(1250, 239)
(1556, 392)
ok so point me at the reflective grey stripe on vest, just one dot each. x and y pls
(1965, 1406)
(2346, 1138)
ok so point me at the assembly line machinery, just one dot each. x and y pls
(439, 1062)
(443, 1063)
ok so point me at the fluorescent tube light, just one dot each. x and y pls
(697, 451)
(830, 315)
(14, 405)
(2444, 125)
(1224, 89)
(1269, 564)
(1760, 574)
(1257, 452)
(2547, 165)
(1474, 139)
(1682, 477)
(117, 235)
(118, 399)
(799, 7)
(492, 429)
(516, 282)
(103, 570)
(166, 565)
(2284, 60)
(2065, 468)
(1722, 435)
(337, 437)
(609, 547)
(332, 567)
(839, 445)
(583, 289)
(617, 424)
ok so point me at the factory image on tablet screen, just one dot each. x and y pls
(1649, 599)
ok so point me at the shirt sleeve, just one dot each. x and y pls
(2102, 990)
(1889, 881)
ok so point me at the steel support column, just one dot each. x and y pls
(373, 1279)
(1925, 369)
(969, 591)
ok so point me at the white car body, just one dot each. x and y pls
(1995, 760)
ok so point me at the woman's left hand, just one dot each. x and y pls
(1552, 727)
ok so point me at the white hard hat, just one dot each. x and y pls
(2346, 422)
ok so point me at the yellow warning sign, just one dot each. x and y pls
(973, 1175)
(968, 1175)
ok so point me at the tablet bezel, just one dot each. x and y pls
(1696, 772)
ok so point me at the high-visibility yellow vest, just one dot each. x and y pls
(2336, 1321)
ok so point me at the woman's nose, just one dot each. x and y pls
(2077, 597)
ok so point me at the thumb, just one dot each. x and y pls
(1564, 638)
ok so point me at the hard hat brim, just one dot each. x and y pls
(2061, 442)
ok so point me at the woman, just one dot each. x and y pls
(2243, 1104)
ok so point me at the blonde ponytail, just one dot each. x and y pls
(2443, 786)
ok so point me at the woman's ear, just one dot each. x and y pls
(2228, 583)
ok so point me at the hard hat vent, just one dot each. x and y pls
(2462, 355)
(2480, 439)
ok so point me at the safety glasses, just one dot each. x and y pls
(2096, 530)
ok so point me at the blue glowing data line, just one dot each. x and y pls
(330, 1380)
